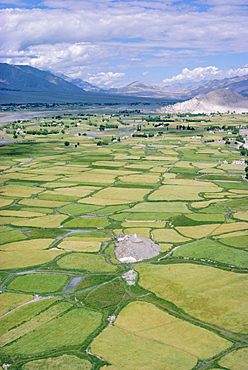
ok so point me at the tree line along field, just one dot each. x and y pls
(70, 184)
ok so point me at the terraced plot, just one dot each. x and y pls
(67, 302)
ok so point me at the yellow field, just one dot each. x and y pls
(20, 213)
(75, 191)
(110, 164)
(18, 191)
(179, 207)
(236, 360)
(206, 203)
(30, 258)
(110, 196)
(27, 245)
(141, 231)
(168, 236)
(124, 350)
(80, 246)
(150, 224)
(178, 191)
(147, 321)
(65, 362)
(5, 202)
(241, 215)
(194, 289)
(42, 203)
(233, 234)
(197, 232)
(203, 164)
(8, 301)
(227, 228)
(143, 178)
(48, 221)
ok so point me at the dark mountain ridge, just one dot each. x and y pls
(26, 78)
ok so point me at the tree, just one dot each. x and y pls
(67, 143)
(246, 172)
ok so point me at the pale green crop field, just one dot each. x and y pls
(61, 209)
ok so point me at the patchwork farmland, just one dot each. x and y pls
(70, 184)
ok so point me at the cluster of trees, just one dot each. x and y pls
(143, 135)
(127, 112)
(101, 142)
(243, 151)
(41, 132)
(246, 172)
(115, 138)
(123, 123)
(191, 114)
(197, 120)
(158, 118)
(238, 138)
(182, 127)
(67, 143)
(159, 125)
(108, 125)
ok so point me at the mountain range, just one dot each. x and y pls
(182, 91)
(23, 78)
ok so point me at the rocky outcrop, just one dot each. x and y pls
(133, 248)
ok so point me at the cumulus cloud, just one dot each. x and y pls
(74, 36)
(26, 27)
(106, 79)
(207, 73)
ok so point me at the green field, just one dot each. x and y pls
(70, 329)
(38, 283)
(85, 262)
(66, 301)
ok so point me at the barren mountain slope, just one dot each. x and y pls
(220, 100)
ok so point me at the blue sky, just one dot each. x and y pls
(111, 43)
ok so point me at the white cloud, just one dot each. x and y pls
(22, 28)
(106, 79)
(207, 73)
(81, 37)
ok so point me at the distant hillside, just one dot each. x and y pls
(86, 86)
(182, 91)
(220, 100)
(143, 89)
(26, 78)
(190, 89)
(236, 84)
